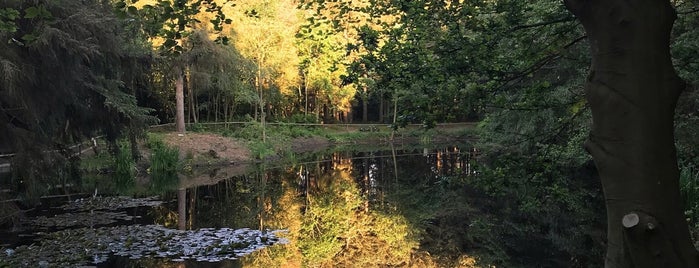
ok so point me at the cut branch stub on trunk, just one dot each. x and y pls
(647, 243)
(632, 91)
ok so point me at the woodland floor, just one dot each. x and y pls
(212, 145)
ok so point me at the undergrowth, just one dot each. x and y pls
(164, 165)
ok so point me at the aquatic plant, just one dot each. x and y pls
(164, 168)
(75, 247)
(124, 168)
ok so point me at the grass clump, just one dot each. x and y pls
(164, 164)
(109, 170)
(124, 168)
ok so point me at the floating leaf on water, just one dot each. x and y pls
(111, 203)
(77, 246)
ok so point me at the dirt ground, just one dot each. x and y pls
(211, 145)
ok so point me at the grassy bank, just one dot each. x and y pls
(163, 160)
(284, 139)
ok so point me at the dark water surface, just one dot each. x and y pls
(383, 208)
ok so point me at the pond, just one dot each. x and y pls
(407, 207)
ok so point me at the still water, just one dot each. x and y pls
(413, 207)
(338, 209)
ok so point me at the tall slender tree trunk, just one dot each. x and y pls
(381, 109)
(179, 99)
(225, 112)
(258, 85)
(217, 106)
(632, 90)
(365, 105)
(395, 114)
(192, 99)
(315, 108)
(187, 100)
(305, 88)
(208, 109)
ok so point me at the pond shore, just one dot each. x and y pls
(235, 150)
(211, 157)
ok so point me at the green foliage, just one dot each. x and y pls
(278, 140)
(328, 217)
(37, 12)
(154, 140)
(173, 20)
(250, 131)
(689, 187)
(261, 150)
(67, 76)
(544, 197)
(197, 127)
(7, 20)
(321, 54)
(124, 168)
(164, 166)
(684, 54)
(302, 118)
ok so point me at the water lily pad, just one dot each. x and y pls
(80, 219)
(111, 203)
(94, 245)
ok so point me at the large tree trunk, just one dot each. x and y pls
(632, 90)
(179, 98)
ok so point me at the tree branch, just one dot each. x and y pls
(690, 11)
(544, 23)
(537, 65)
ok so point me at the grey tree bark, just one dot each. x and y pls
(632, 90)
(179, 102)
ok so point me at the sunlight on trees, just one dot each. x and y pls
(73, 70)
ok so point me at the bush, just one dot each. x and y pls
(261, 149)
(302, 118)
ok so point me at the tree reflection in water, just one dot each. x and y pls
(406, 208)
(347, 210)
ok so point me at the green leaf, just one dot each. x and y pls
(31, 12)
(9, 27)
(9, 13)
(169, 43)
(29, 38)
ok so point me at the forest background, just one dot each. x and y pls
(73, 70)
